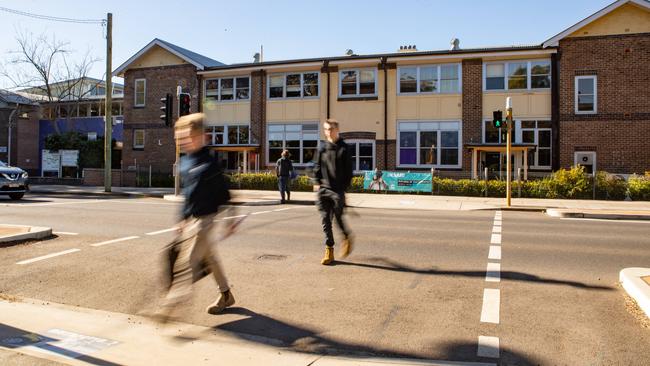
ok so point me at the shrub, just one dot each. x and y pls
(610, 186)
(573, 183)
(639, 187)
(266, 182)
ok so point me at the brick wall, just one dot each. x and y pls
(472, 107)
(95, 177)
(392, 154)
(27, 144)
(620, 130)
(258, 113)
(159, 149)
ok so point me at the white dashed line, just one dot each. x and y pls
(493, 272)
(27, 261)
(63, 233)
(491, 303)
(495, 252)
(114, 241)
(233, 217)
(495, 239)
(488, 347)
(54, 203)
(497, 223)
(281, 209)
(161, 231)
(260, 212)
(496, 229)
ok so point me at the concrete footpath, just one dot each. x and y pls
(80, 336)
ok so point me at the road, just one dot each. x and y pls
(444, 285)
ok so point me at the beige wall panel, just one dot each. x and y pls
(627, 19)
(292, 111)
(428, 108)
(274, 111)
(157, 56)
(407, 108)
(528, 105)
(311, 109)
(392, 107)
(227, 113)
(451, 107)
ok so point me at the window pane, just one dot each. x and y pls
(428, 79)
(139, 86)
(586, 86)
(407, 139)
(429, 156)
(528, 124)
(495, 83)
(227, 89)
(308, 155)
(491, 133)
(449, 139)
(449, 157)
(310, 84)
(544, 138)
(310, 90)
(540, 68)
(531, 158)
(495, 70)
(540, 81)
(428, 139)
(517, 75)
(528, 137)
(275, 92)
(242, 85)
(232, 135)
(349, 77)
(367, 76)
(275, 144)
(544, 124)
(517, 82)
(293, 86)
(242, 82)
(294, 150)
(348, 88)
(365, 149)
(211, 88)
(243, 134)
(585, 102)
(449, 78)
(367, 88)
(310, 78)
(276, 86)
(274, 154)
(408, 80)
(544, 157)
(365, 163)
(407, 156)
(367, 82)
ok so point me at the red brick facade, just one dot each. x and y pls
(472, 107)
(258, 113)
(619, 131)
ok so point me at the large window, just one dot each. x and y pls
(586, 100)
(493, 135)
(140, 92)
(300, 139)
(228, 135)
(429, 144)
(362, 153)
(138, 139)
(538, 133)
(517, 75)
(228, 89)
(293, 85)
(358, 83)
(429, 79)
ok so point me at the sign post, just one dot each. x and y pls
(508, 151)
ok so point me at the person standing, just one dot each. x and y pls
(191, 256)
(333, 171)
(284, 171)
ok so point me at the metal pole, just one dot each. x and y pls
(149, 175)
(486, 182)
(108, 124)
(177, 170)
(519, 182)
(508, 148)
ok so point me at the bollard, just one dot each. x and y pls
(486, 182)
(518, 182)
(433, 172)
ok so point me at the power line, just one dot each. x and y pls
(54, 19)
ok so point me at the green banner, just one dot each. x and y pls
(397, 181)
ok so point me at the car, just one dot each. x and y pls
(13, 181)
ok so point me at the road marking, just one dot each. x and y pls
(647, 222)
(490, 310)
(114, 241)
(488, 347)
(495, 252)
(493, 272)
(495, 239)
(27, 261)
(281, 209)
(260, 212)
(497, 223)
(233, 217)
(63, 233)
(496, 229)
(161, 231)
(54, 203)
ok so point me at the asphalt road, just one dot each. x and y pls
(415, 286)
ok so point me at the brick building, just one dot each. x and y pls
(582, 97)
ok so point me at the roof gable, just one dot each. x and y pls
(598, 21)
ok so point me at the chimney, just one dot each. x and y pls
(455, 44)
(408, 48)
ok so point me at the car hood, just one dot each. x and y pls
(10, 170)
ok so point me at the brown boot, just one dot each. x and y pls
(225, 300)
(346, 246)
(329, 256)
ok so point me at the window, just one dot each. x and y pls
(493, 135)
(300, 139)
(215, 135)
(517, 75)
(138, 139)
(538, 133)
(586, 100)
(227, 135)
(293, 85)
(429, 79)
(362, 153)
(359, 82)
(140, 91)
(227, 89)
(429, 144)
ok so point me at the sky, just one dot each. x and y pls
(232, 31)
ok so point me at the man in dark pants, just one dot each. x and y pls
(283, 169)
(333, 171)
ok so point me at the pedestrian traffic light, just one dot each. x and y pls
(497, 119)
(167, 109)
(183, 104)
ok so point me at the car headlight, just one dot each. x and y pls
(24, 175)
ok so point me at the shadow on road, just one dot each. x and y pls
(389, 265)
(509, 357)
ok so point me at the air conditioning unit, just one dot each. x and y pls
(585, 158)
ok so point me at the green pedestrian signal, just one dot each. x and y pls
(497, 119)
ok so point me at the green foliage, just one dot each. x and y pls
(267, 182)
(573, 183)
(639, 187)
(610, 186)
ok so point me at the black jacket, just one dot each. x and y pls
(204, 186)
(283, 167)
(333, 167)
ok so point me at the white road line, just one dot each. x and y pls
(27, 261)
(647, 222)
(493, 272)
(63, 233)
(496, 229)
(260, 212)
(495, 252)
(114, 241)
(491, 303)
(495, 239)
(497, 223)
(488, 347)
(54, 203)
(233, 217)
(161, 231)
(281, 209)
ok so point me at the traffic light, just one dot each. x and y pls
(183, 104)
(167, 109)
(497, 119)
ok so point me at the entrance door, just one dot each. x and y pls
(493, 163)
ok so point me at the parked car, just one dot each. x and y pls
(13, 181)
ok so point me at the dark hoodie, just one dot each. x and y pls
(333, 167)
(204, 185)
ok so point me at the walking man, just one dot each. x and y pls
(284, 171)
(333, 171)
(205, 190)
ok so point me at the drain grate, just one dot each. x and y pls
(272, 257)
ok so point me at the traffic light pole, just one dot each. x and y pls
(508, 151)
(108, 124)
(177, 170)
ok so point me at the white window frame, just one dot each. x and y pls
(358, 71)
(575, 92)
(135, 131)
(592, 153)
(356, 143)
(284, 141)
(505, 75)
(438, 74)
(226, 130)
(144, 93)
(213, 134)
(536, 130)
(234, 89)
(284, 85)
(438, 144)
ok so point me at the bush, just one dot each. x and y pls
(639, 187)
(267, 182)
(573, 183)
(610, 186)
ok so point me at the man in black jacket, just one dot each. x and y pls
(205, 190)
(333, 171)
(284, 169)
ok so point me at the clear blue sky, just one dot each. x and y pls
(232, 31)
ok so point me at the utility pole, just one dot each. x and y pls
(508, 150)
(108, 124)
